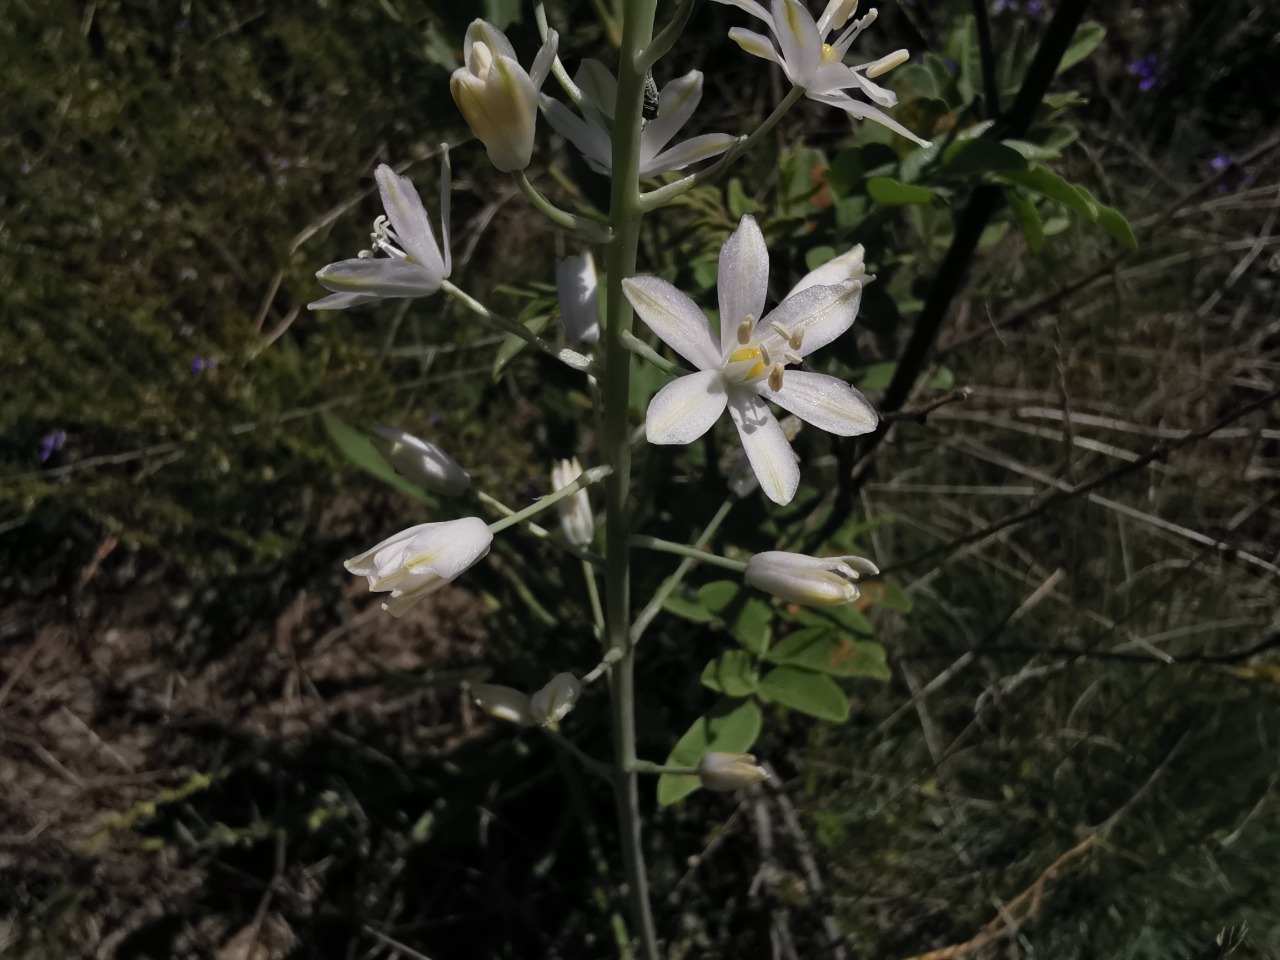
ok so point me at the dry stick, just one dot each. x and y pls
(954, 269)
(1056, 497)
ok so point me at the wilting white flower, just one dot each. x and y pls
(847, 266)
(808, 581)
(421, 560)
(546, 707)
(730, 771)
(551, 703)
(414, 265)
(748, 365)
(578, 291)
(800, 47)
(497, 97)
(576, 518)
(676, 103)
(421, 462)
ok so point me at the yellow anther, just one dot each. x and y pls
(830, 53)
(745, 328)
(775, 378)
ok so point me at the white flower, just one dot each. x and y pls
(749, 364)
(497, 97)
(676, 104)
(420, 462)
(729, 771)
(422, 559)
(546, 707)
(414, 265)
(578, 291)
(738, 473)
(847, 266)
(551, 703)
(576, 518)
(808, 581)
(800, 47)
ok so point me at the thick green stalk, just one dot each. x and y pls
(625, 215)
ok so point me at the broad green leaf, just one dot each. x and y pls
(719, 594)
(687, 609)
(733, 673)
(731, 726)
(894, 597)
(846, 617)
(1024, 211)
(943, 379)
(1088, 35)
(967, 158)
(817, 256)
(1033, 151)
(827, 651)
(962, 47)
(813, 693)
(1044, 181)
(750, 626)
(1069, 98)
(357, 448)
(1114, 222)
(913, 81)
(893, 193)
(502, 13)
(738, 202)
(877, 376)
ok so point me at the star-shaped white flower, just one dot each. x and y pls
(414, 265)
(749, 364)
(676, 104)
(800, 47)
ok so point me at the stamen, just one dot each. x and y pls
(794, 358)
(885, 64)
(780, 330)
(796, 338)
(745, 328)
(764, 355)
(846, 39)
(775, 377)
(484, 58)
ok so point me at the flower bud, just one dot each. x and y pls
(847, 266)
(576, 519)
(552, 702)
(808, 581)
(497, 97)
(503, 703)
(421, 560)
(730, 771)
(420, 462)
(578, 291)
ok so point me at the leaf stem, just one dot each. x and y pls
(642, 349)
(571, 358)
(589, 229)
(683, 550)
(585, 479)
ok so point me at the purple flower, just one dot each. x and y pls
(200, 364)
(1147, 70)
(50, 443)
(1232, 175)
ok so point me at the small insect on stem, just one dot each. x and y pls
(650, 108)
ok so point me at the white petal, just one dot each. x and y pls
(798, 39)
(753, 8)
(409, 218)
(543, 59)
(421, 462)
(503, 703)
(512, 100)
(491, 36)
(685, 408)
(676, 104)
(686, 152)
(362, 565)
(450, 549)
(379, 277)
(756, 44)
(446, 196)
(772, 458)
(599, 89)
(675, 318)
(742, 280)
(592, 141)
(863, 111)
(341, 301)
(823, 312)
(826, 402)
(847, 266)
(578, 291)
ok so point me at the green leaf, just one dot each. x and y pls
(512, 345)
(751, 626)
(826, 651)
(894, 597)
(687, 609)
(1033, 151)
(1024, 211)
(502, 13)
(719, 594)
(733, 673)
(1088, 35)
(1044, 181)
(962, 47)
(943, 379)
(877, 376)
(894, 193)
(730, 726)
(1069, 98)
(357, 448)
(817, 256)
(1114, 222)
(739, 203)
(970, 157)
(846, 617)
(813, 693)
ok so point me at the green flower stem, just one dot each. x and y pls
(593, 594)
(611, 656)
(625, 214)
(585, 479)
(599, 768)
(680, 549)
(668, 585)
(589, 229)
(557, 68)
(663, 195)
(642, 349)
(588, 558)
(566, 356)
(669, 35)
(645, 766)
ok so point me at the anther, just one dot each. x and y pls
(793, 358)
(764, 355)
(796, 338)
(885, 64)
(780, 330)
(775, 377)
(745, 329)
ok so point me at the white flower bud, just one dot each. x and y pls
(552, 702)
(808, 581)
(847, 266)
(578, 291)
(421, 560)
(497, 97)
(576, 519)
(503, 703)
(730, 771)
(421, 462)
